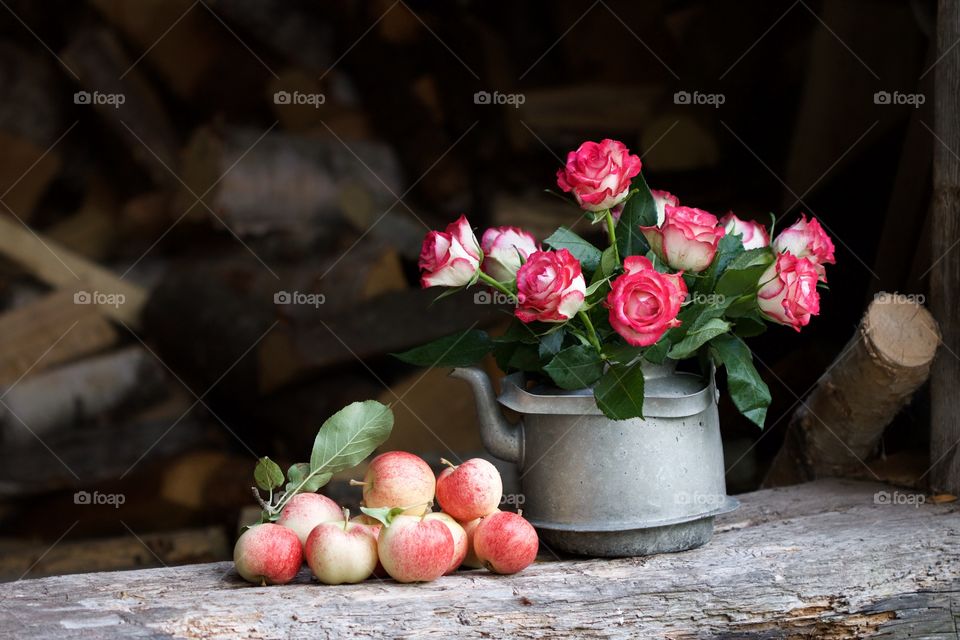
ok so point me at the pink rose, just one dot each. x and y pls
(662, 199)
(504, 249)
(687, 239)
(550, 287)
(807, 240)
(599, 174)
(752, 234)
(450, 258)
(644, 303)
(788, 291)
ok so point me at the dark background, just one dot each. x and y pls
(209, 197)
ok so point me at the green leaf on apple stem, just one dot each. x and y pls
(299, 475)
(585, 252)
(747, 389)
(350, 435)
(619, 393)
(575, 367)
(384, 514)
(267, 474)
(461, 349)
(639, 210)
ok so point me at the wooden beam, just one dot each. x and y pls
(831, 559)
(945, 273)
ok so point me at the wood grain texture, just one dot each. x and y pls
(825, 560)
(945, 272)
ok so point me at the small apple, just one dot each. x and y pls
(341, 552)
(398, 479)
(375, 527)
(505, 543)
(414, 549)
(470, 490)
(304, 511)
(268, 554)
(460, 543)
(471, 560)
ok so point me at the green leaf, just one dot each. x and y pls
(350, 435)
(384, 514)
(299, 475)
(524, 357)
(622, 353)
(657, 353)
(697, 336)
(575, 367)
(749, 326)
(742, 275)
(609, 262)
(747, 389)
(519, 331)
(639, 210)
(619, 393)
(267, 474)
(728, 248)
(461, 349)
(551, 343)
(585, 252)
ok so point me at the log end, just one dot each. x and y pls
(900, 331)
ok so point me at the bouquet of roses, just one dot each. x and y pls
(674, 282)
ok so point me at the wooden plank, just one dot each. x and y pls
(38, 335)
(945, 273)
(60, 267)
(821, 560)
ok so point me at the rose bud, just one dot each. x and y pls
(599, 174)
(788, 291)
(687, 240)
(550, 287)
(450, 258)
(504, 249)
(644, 303)
(807, 240)
(662, 199)
(752, 234)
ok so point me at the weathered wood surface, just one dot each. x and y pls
(827, 559)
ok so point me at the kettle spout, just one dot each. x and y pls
(499, 437)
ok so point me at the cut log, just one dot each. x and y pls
(762, 576)
(59, 267)
(48, 332)
(74, 394)
(945, 270)
(31, 559)
(838, 427)
(283, 182)
(139, 120)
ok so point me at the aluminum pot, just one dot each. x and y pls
(601, 487)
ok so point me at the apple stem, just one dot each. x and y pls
(357, 483)
(346, 518)
(427, 511)
(448, 463)
(520, 512)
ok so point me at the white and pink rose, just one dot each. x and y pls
(450, 258)
(687, 239)
(599, 174)
(788, 291)
(644, 303)
(752, 234)
(504, 250)
(807, 239)
(550, 287)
